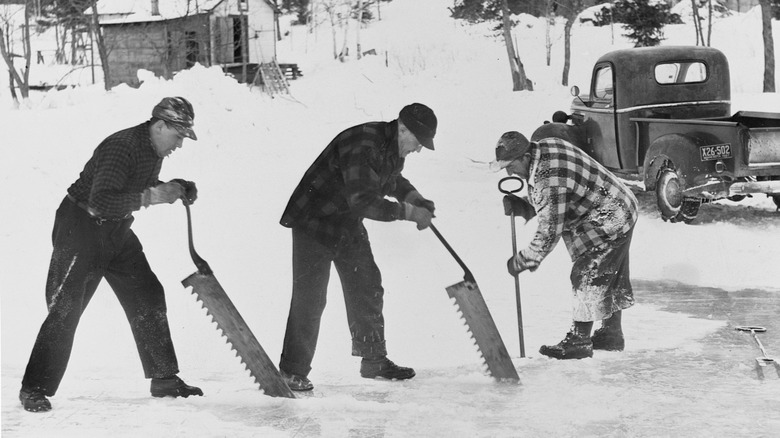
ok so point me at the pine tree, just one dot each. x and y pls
(644, 20)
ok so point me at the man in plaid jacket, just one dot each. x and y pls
(350, 181)
(92, 240)
(576, 199)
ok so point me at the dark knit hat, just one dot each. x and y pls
(178, 112)
(511, 146)
(421, 120)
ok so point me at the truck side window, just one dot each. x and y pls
(683, 72)
(603, 88)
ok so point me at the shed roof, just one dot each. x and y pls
(135, 11)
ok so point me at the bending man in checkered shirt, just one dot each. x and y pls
(580, 201)
(92, 240)
(350, 181)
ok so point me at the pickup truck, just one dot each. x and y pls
(662, 115)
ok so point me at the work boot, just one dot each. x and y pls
(34, 400)
(384, 368)
(606, 339)
(297, 382)
(173, 387)
(573, 346)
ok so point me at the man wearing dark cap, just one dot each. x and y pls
(580, 201)
(350, 181)
(92, 240)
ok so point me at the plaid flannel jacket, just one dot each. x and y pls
(575, 198)
(121, 168)
(349, 182)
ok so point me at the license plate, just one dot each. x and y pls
(715, 152)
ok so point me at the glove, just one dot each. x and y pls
(519, 206)
(190, 191)
(421, 216)
(517, 264)
(416, 199)
(165, 193)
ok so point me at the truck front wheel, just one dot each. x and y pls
(669, 197)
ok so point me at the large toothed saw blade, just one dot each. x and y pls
(207, 289)
(474, 311)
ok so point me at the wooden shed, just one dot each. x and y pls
(166, 36)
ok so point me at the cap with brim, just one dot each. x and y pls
(426, 141)
(511, 146)
(178, 113)
(185, 131)
(421, 121)
(497, 165)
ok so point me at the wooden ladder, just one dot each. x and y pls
(274, 80)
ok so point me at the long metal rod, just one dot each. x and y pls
(468, 277)
(509, 192)
(517, 290)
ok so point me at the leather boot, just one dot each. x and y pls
(384, 368)
(173, 387)
(573, 346)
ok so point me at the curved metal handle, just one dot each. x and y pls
(468, 277)
(510, 178)
(750, 328)
(201, 264)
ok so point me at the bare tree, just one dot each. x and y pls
(709, 23)
(338, 12)
(101, 44)
(697, 23)
(769, 46)
(359, 23)
(16, 78)
(519, 79)
(569, 9)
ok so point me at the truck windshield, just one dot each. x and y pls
(680, 72)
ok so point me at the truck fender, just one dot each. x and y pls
(572, 134)
(675, 151)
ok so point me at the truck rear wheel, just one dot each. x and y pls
(669, 197)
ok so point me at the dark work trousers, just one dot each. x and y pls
(361, 283)
(85, 251)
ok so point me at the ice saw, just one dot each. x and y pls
(207, 289)
(471, 304)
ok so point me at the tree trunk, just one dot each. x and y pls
(101, 47)
(359, 22)
(697, 23)
(550, 24)
(74, 59)
(566, 51)
(11, 83)
(709, 23)
(24, 85)
(515, 66)
(332, 16)
(769, 46)
(344, 53)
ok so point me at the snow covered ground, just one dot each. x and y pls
(685, 371)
